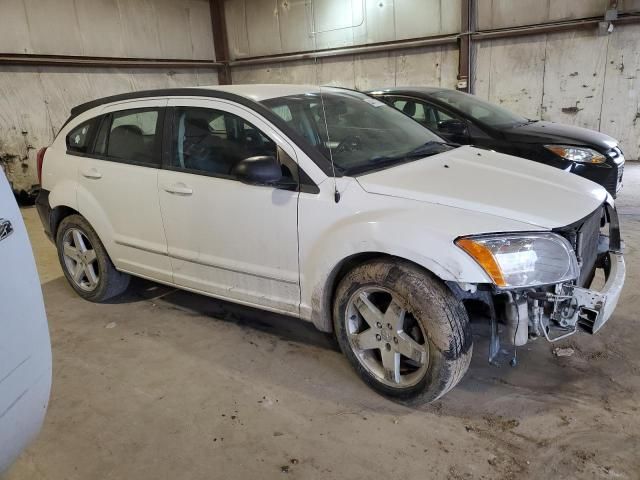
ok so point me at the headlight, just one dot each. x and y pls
(577, 154)
(523, 260)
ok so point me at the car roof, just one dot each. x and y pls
(259, 92)
(253, 93)
(408, 90)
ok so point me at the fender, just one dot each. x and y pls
(419, 232)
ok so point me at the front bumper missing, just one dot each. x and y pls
(571, 307)
(596, 307)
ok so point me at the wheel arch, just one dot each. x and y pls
(58, 214)
(322, 301)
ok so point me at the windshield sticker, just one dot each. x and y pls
(373, 101)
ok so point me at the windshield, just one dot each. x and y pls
(483, 112)
(361, 133)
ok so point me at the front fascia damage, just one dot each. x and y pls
(558, 311)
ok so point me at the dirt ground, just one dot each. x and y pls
(164, 384)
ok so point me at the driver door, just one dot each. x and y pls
(224, 237)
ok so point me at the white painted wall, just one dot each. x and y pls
(35, 101)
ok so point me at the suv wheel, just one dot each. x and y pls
(402, 330)
(85, 262)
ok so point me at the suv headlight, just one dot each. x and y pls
(523, 260)
(577, 154)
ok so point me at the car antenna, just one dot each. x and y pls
(336, 193)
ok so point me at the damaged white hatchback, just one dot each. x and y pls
(331, 206)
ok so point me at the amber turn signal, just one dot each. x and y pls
(485, 259)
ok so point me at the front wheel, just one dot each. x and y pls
(403, 331)
(85, 261)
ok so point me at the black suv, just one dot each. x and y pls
(466, 119)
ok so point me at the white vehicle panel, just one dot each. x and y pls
(25, 348)
(420, 232)
(492, 183)
(230, 239)
(120, 201)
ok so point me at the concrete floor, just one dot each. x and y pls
(164, 384)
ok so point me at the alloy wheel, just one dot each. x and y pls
(386, 338)
(80, 259)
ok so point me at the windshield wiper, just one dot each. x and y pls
(424, 150)
(429, 148)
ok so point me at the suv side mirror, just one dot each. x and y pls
(262, 170)
(454, 127)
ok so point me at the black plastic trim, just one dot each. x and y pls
(44, 211)
(312, 153)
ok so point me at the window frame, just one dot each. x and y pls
(305, 183)
(100, 119)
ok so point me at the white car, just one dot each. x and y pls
(333, 207)
(25, 349)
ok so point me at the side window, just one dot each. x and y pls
(129, 135)
(212, 141)
(78, 139)
(412, 108)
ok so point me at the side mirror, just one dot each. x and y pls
(262, 170)
(454, 127)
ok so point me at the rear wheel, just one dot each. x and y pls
(403, 331)
(85, 261)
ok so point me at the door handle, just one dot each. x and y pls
(178, 189)
(6, 228)
(91, 173)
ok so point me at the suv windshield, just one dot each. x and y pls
(483, 112)
(360, 133)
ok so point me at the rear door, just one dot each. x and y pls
(224, 237)
(25, 350)
(118, 191)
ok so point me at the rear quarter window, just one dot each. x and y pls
(79, 137)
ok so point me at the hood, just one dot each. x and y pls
(491, 183)
(549, 132)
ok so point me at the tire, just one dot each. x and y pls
(434, 319)
(99, 281)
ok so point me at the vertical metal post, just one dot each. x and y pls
(220, 42)
(467, 26)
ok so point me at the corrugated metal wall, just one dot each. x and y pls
(35, 101)
(576, 77)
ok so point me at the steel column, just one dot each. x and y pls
(220, 40)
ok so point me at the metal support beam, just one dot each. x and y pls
(220, 42)
(553, 27)
(104, 62)
(345, 51)
(464, 45)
